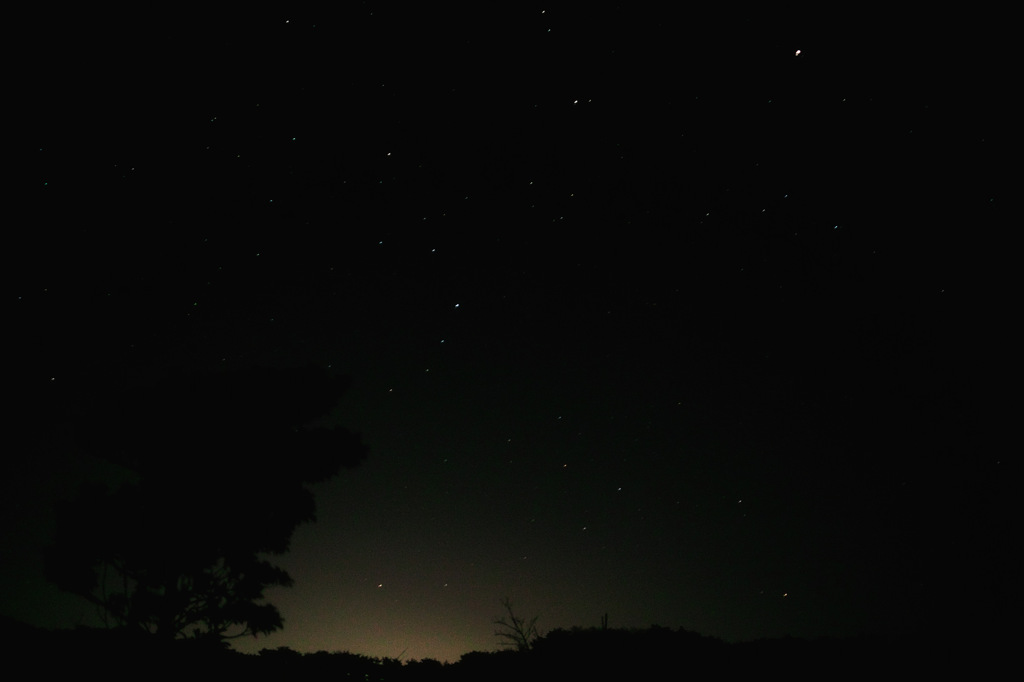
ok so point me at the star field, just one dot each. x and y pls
(677, 323)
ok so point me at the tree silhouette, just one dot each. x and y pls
(219, 466)
(515, 631)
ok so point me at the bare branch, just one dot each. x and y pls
(515, 631)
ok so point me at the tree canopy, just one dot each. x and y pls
(220, 465)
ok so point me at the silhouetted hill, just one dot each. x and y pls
(593, 653)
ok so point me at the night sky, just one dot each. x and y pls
(690, 321)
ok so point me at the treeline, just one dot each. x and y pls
(591, 653)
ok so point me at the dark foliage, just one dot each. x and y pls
(219, 468)
(601, 654)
